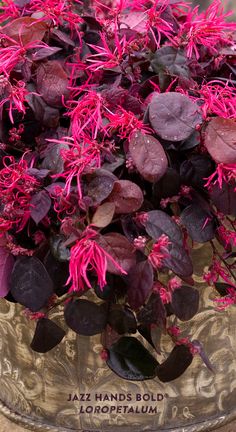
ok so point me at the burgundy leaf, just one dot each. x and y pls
(126, 196)
(179, 261)
(140, 282)
(159, 223)
(6, 266)
(173, 116)
(185, 302)
(40, 206)
(199, 223)
(148, 156)
(43, 53)
(153, 312)
(220, 140)
(25, 30)
(47, 335)
(30, 283)
(86, 318)
(224, 198)
(175, 365)
(52, 83)
(120, 249)
(100, 185)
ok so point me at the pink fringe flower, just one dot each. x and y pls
(208, 29)
(159, 251)
(87, 255)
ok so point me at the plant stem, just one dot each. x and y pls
(216, 252)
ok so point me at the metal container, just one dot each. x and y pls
(36, 390)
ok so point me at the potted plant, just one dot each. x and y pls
(118, 161)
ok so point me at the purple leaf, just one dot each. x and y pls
(47, 335)
(140, 282)
(173, 116)
(43, 53)
(224, 198)
(185, 302)
(40, 206)
(121, 250)
(159, 223)
(175, 365)
(100, 185)
(148, 156)
(127, 196)
(52, 83)
(153, 312)
(199, 223)
(220, 140)
(6, 266)
(30, 283)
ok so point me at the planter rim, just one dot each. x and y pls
(209, 425)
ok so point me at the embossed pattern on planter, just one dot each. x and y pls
(37, 386)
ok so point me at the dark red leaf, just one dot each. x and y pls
(100, 185)
(25, 30)
(148, 156)
(220, 140)
(121, 250)
(153, 312)
(126, 196)
(159, 223)
(140, 282)
(52, 83)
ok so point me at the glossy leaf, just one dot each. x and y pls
(85, 318)
(25, 30)
(179, 261)
(224, 198)
(122, 319)
(176, 364)
(148, 156)
(130, 360)
(58, 249)
(220, 140)
(173, 116)
(170, 60)
(47, 335)
(100, 185)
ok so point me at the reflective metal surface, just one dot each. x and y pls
(35, 388)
